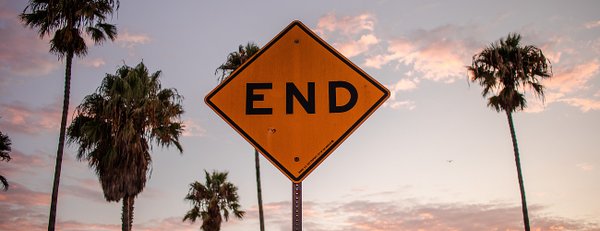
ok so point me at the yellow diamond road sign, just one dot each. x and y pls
(297, 100)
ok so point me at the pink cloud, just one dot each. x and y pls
(551, 50)
(22, 218)
(87, 189)
(347, 25)
(440, 54)
(96, 62)
(18, 117)
(354, 34)
(193, 129)
(401, 104)
(19, 195)
(592, 24)
(354, 48)
(574, 78)
(586, 167)
(583, 104)
(395, 89)
(364, 215)
(130, 40)
(22, 52)
(78, 226)
(170, 223)
(22, 164)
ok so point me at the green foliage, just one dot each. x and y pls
(209, 200)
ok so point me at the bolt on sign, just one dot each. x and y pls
(296, 100)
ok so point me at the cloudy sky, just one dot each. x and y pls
(434, 157)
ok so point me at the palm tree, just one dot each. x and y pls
(505, 70)
(4, 156)
(68, 20)
(115, 126)
(234, 60)
(216, 195)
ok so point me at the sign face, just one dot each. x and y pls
(296, 100)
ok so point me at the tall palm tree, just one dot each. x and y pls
(506, 69)
(115, 126)
(234, 60)
(68, 21)
(4, 156)
(216, 195)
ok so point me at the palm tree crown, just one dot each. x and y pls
(506, 69)
(69, 20)
(115, 126)
(216, 195)
(236, 59)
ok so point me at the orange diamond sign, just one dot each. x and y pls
(297, 100)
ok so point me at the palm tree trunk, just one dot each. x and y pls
(126, 213)
(130, 218)
(519, 173)
(61, 142)
(259, 192)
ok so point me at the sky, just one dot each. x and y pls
(433, 157)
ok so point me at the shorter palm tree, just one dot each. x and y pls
(216, 195)
(116, 126)
(4, 156)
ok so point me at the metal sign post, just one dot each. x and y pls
(297, 206)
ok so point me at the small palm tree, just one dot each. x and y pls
(216, 195)
(505, 70)
(115, 126)
(68, 20)
(4, 156)
(234, 60)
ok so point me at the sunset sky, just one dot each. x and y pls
(433, 157)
